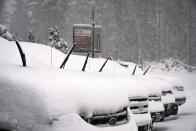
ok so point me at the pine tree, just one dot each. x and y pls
(56, 40)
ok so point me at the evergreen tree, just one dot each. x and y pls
(56, 40)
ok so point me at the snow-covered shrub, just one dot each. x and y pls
(171, 64)
(5, 34)
(56, 40)
(31, 37)
(2, 29)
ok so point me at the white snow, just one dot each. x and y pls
(155, 106)
(63, 94)
(36, 94)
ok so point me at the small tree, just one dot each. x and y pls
(31, 37)
(56, 40)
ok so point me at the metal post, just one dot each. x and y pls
(93, 34)
(51, 56)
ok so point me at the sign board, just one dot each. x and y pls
(82, 36)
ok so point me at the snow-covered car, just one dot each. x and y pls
(138, 101)
(156, 107)
(168, 93)
(178, 88)
(155, 103)
(69, 100)
(168, 98)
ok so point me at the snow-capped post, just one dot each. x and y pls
(51, 55)
(133, 73)
(146, 70)
(21, 54)
(84, 66)
(109, 58)
(93, 32)
(67, 57)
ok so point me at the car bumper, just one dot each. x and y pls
(145, 128)
(142, 120)
(169, 109)
(157, 116)
(180, 101)
(73, 122)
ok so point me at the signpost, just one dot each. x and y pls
(93, 33)
(83, 37)
(87, 37)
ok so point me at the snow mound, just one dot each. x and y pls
(172, 65)
(36, 94)
(21, 108)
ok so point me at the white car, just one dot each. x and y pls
(40, 98)
(178, 88)
(156, 107)
(138, 101)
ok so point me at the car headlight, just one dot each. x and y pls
(155, 98)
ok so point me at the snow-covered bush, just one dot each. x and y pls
(5, 34)
(171, 64)
(31, 37)
(56, 40)
(2, 29)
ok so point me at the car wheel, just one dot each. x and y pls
(175, 112)
(162, 119)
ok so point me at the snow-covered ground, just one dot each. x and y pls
(186, 118)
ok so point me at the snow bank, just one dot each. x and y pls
(40, 94)
(20, 105)
(75, 62)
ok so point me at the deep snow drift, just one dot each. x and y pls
(40, 95)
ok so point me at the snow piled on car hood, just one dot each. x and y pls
(134, 88)
(155, 106)
(174, 81)
(162, 84)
